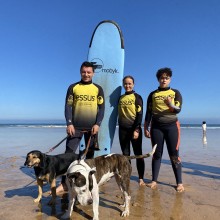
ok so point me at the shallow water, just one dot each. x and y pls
(18, 141)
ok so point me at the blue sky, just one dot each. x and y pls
(43, 43)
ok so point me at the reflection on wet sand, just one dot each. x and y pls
(204, 140)
(59, 209)
(42, 209)
(145, 203)
(158, 212)
(177, 210)
(169, 206)
(138, 201)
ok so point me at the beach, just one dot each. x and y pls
(201, 178)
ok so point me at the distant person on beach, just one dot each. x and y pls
(161, 124)
(130, 113)
(204, 127)
(204, 132)
(84, 111)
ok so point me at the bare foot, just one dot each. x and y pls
(180, 188)
(152, 185)
(61, 188)
(141, 182)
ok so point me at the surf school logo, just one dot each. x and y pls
(98, 64)
(100, 100)
(99, 67)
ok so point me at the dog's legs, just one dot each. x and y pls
(53, 192)
(118, 181)
(95, 195)
(127, 198)
(72, 199)
(40, 190)
(124, 187)
(68, 213)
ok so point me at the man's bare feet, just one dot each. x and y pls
(141, 182)
(152, 185)
(61, 188)
(180, 188)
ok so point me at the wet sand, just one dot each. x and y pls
(201, 199)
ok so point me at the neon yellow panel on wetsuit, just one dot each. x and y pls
(84, 105)
(130, 110)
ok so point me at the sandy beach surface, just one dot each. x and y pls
(201, 176)
(201, 199)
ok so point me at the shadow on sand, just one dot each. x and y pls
(199, 169)
(31, 190)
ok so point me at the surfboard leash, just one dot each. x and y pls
(87, 147)
(95, 147)
(51, 149)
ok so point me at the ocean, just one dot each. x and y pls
(19, 138)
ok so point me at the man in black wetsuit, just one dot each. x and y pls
(84, 111)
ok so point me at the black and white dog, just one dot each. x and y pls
(85, 176)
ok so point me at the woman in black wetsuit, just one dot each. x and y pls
(130, 113)
(161, 124)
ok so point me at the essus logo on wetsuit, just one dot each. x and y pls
(126, 102)
(85, 98)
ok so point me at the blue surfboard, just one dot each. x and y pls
(106, 52)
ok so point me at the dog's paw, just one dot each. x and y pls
(125, 214)
(66, 216)
(37, 200)
(122, 205)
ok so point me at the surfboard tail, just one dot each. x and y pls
(150, 154)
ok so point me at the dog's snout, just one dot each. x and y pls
(90, 201)
(28, 164)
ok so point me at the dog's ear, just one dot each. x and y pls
(72, 177)
(42, 158)
(27, 157)
(91, 172)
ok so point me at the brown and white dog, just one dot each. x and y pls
(85, 176)
(48, 168)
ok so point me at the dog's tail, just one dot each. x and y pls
(143, 156)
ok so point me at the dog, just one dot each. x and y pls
(85, 176)
(48, 168)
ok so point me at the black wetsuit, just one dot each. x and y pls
(84, 108)
(164, 126)
(130, 113)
